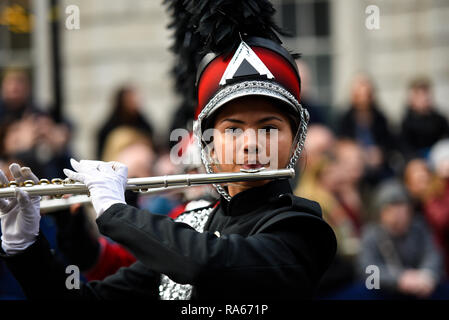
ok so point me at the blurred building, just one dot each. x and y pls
(121, 41)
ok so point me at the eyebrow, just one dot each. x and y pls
(259, 121)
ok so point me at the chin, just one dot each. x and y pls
(252, 184)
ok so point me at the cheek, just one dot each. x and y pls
(223, 147)
(282, 146)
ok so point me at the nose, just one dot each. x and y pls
(251, 148)
(250, 143)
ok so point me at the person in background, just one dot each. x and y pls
(317, 111)
(323, 181)
(163, 203)
(402, 248)
(193, 197)
(28, 133)
(422, 125)
(350, 160)
(421, 184)
(437, 206)
(15, 100)
(126, 111)
(319, 144)
(365, 123)
(32, 138)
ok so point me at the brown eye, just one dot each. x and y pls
(233, 130)
(269, 127)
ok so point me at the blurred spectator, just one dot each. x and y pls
(321, 177)
(193, 197)
(402, 247)
(31, 138)
(317, 112)
(117, 146)
(323, 180)
(366, 124)
(182, 118)
(421, 184)
(319, 143)
(422, 125)
(125, 112)
(39, 142)
(437, 206)
(15, 101)
(28, 134)
(350, 161)
(134, 148)
(331, 175)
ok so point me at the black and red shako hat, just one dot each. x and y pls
(256, 59)
(257, 67)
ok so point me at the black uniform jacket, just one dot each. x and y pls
(270, 245)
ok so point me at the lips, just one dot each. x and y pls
(252, 166)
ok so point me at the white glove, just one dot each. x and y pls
(19, 216)
(106, 181)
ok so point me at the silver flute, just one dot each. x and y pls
(56, 204)
(59, 187)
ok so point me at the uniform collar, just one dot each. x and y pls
(251, 199)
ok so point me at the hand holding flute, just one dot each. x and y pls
(20, 216)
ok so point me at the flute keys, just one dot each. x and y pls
(44, 181)
(60, 182)
(57, 181)
(13, 184)
(29, 183)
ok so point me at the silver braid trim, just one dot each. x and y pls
(264, 88)
(169, 289)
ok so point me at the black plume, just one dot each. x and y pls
(185, 46)
(221, 24)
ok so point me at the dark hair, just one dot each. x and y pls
(420, 82)
(118, 109)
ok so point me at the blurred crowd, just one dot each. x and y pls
(384, 188)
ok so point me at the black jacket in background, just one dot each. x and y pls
(272, 245)
(379, 128)
(420, 131)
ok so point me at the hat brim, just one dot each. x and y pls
(250, 88)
